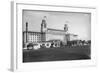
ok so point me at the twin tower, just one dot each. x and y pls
(44, 25)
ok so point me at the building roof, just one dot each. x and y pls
(55, 30)
(71, 34)
(31, 32)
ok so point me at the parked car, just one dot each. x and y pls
(42, 46)
(36, 46)
(48, 45)
(30, 46)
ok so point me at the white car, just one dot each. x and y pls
(48, 45)
(36, 46)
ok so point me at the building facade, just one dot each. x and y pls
(47, 34)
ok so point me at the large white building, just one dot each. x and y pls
(47, 34)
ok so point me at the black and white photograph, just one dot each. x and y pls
(55, 36)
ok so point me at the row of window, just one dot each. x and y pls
(33, 40)
(34, 37)
(34, 34)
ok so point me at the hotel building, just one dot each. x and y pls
(46, 35)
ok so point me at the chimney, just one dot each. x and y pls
(26, 32)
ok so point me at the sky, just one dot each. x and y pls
(78, 23)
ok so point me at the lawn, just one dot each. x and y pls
(57, 54)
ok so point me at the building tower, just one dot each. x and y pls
(44, 25)
(43, 29)
(66, 28)
(66, 37)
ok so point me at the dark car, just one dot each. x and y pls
(30, 46)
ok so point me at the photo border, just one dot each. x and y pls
(16, 51)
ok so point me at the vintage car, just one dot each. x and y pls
(36, 46)
(30, 46)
